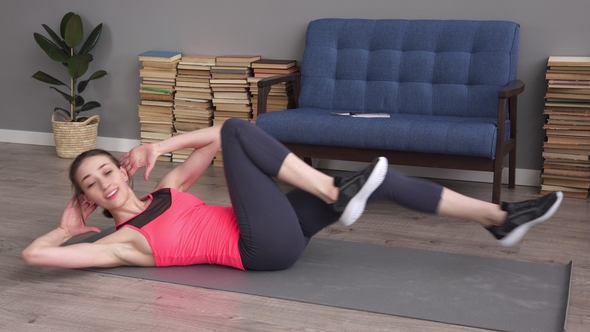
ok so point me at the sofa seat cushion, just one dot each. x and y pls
(470, 136)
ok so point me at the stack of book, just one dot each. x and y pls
(193, 107)
(566, 151)
(156, 90)
(231, 95)
(281, 95)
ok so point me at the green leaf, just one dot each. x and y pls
(64, 23)
(66, 112)
(89, 105)
(79, 101)
(78, 65)
(69, 98)
(98, 74)
(54, 52)
(58, 41)
(41, 76)
(82, 86)
(91, 40)
(74, 31)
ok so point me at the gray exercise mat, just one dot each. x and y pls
(489, 293)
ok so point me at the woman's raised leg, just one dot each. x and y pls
(270, 236)
(508, 222)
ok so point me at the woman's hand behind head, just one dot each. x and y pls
(73, 220)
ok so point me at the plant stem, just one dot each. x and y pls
(73, 104)
(72, 93)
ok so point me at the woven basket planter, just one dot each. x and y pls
(73, 138)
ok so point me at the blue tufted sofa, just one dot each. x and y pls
(449, 86)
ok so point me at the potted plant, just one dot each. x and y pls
(74, 134)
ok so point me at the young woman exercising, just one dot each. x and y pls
(264, 229)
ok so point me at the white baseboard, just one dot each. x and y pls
(524, 177)
(37, 138)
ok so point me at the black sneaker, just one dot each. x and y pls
(524, 215)
(356, 189)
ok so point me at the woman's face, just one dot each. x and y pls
(102, 182)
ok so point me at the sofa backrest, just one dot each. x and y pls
(431, 67)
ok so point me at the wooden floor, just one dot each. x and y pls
(35, 190)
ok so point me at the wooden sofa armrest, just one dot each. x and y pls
(512, 89)
(265, 84)
(507, 97)
(506, 100)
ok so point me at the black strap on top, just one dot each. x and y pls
(161, 202)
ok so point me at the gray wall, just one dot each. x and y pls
(271, 28)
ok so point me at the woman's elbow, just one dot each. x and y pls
(26, 255)
(30, 256)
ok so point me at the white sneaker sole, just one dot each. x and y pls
(513, 237)
(355, 208)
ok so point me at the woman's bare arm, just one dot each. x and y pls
(47, 251)
(206, 143)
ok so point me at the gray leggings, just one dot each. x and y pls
(275, 227)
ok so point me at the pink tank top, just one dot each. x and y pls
(182, 230)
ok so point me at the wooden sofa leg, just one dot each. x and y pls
(497, 187)
(512, 169)
(497, 184)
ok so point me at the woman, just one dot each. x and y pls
(264, 229)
